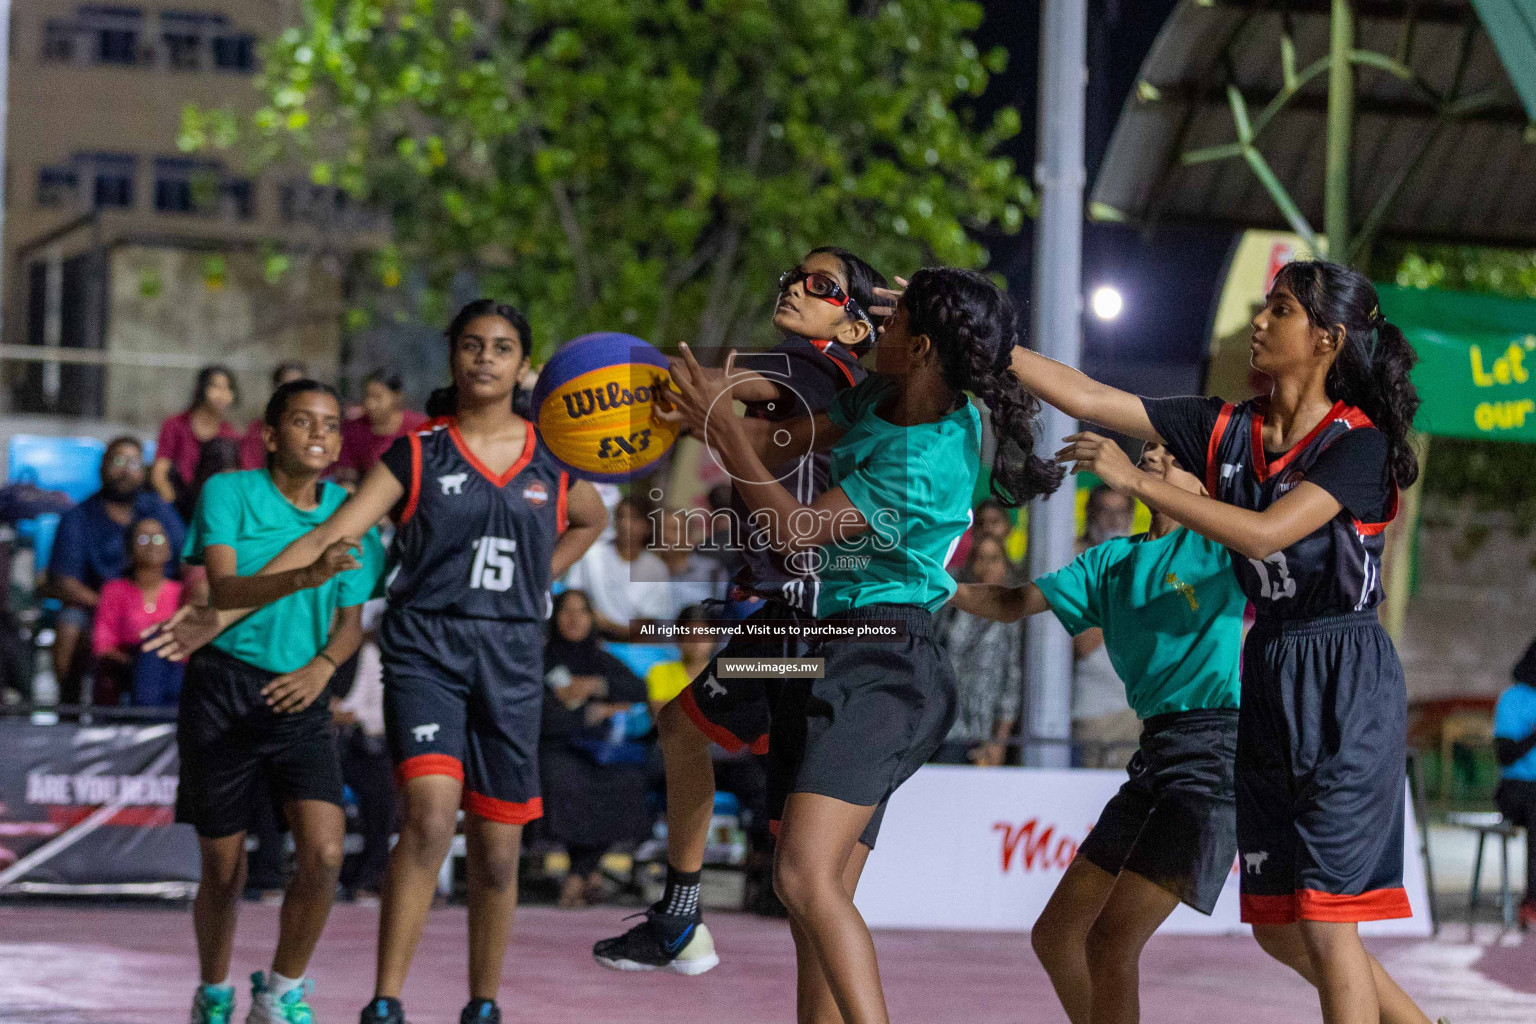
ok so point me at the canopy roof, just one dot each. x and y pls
(1456, 139)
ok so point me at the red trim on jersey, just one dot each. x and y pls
(1376, 905)
(821, 345)
(413, 493)
(562, 519)
(428, 764)
(1212, 476)
(1260, 462)
(530, 441)
(504, 811)
(1372, 529)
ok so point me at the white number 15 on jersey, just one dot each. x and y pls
(493, 564)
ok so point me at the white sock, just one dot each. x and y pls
(222, 984)
(280, 986)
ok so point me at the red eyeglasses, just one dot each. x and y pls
(824, 287)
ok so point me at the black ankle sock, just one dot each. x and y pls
(681, 897)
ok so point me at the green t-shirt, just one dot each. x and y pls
(247, 512)
(913, 485)
(1171, 612)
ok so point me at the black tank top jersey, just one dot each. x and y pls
(1331, 571)
(812, 373)
(469, 543)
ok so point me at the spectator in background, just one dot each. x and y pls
(991, 519)
(385, 419)
(594, 789)
(522, 394)
(691, 577)
(1514, 739)
(253, 446)
(182, 436)
(129, 605)
(988, 660)
(89, 550)
(1103, 724)
(666, 679)
(625, 583)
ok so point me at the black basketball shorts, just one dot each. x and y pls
(463, 698)
(1321, 753)
(1174, 820)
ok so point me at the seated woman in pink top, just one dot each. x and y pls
(384, 419)
(128, 606)
(253, 446)
(182, 436)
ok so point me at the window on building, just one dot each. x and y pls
(234, 53)
(57, 186)
(239, 198)
(59, 42)
(117, 45)
(183, 50)
(113, 181)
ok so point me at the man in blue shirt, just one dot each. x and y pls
(89, 550)
(1514, 739)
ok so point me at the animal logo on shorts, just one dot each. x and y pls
(1254, 862)
(453, 483)
(712, 686)
(425, 733)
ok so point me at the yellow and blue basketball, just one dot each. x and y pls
(594, 401)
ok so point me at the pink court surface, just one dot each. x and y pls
(83, 964)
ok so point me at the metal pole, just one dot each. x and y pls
(1057, 330)
(1341, 122)
(5, 79)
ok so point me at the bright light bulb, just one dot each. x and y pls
(1107, 302)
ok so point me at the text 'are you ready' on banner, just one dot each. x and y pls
(1476, 372)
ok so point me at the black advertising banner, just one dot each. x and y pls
(90, 809)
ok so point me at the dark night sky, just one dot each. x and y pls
(1169, 279)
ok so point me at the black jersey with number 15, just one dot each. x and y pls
(470, 543)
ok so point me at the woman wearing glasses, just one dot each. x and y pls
(140, 599)
(827, 311)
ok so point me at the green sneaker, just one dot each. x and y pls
(289, 1008)
(212, 1004)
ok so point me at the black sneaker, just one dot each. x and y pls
(480, 1011)
(383, 1010)
(660, 942)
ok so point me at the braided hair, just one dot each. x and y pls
(972, 325)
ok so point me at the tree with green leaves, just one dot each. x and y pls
(641, 165)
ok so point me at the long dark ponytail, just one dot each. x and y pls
(444, 401)
(972, 325)
(1371, 370)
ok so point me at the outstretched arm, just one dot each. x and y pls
(1003, 604)
(318, 555)
(1080, 396)
(1251, 534)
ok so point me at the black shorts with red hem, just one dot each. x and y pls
(736, 713)
(1321, 761)
(463, 698)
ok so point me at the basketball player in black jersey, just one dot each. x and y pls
(1303, 482)
(486, 519)
(828, 311)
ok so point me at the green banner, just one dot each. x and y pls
(1476, 373)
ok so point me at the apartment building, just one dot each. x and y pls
(137, 260)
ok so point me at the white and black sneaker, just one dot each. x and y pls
(660, 942)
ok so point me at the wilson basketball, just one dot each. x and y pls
(594, 403)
